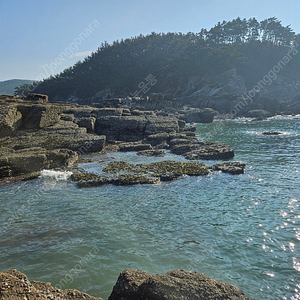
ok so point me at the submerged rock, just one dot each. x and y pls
(15, 285)
(233, 168)
(123, 173)
(175, 285)
(272, 133)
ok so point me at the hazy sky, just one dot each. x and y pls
(43, 37)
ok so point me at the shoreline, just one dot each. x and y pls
(130, 285)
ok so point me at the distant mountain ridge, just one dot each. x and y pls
(8, 86)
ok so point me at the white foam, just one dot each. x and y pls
(56, 175)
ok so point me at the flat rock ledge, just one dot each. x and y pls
(124, 173)
(175, 285)
(131, 285)
(35, 135)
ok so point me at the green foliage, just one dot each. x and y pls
(8, 86)
(248, 45)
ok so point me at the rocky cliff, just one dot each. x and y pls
(36, 135)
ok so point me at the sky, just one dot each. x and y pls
(40, 38)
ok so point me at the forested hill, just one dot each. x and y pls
(8, 86)
(253, 48)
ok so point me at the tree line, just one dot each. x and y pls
(173, 58)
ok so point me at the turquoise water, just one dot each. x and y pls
(243, 229)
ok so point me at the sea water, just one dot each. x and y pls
(242, 229)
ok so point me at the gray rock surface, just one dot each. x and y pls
(175, 285)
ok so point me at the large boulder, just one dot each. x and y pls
(161, 124)
(32, 160)
(40, 116)
(127, 128)
(134, 128)
(175, 285)
(10, 120)
(15, 285)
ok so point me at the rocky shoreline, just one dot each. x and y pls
(131, 285)
(36, 134)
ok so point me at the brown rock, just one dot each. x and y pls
(175, 285)
(15, 286)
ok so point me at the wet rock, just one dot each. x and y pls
(131, 179)
(175, 285)
(126, 147)
(15, 286)
(85, 180)
(154, 152)
(123, 173)
(31, 160)
(193, 149)
(210, 151)
(234, 168)
(272, 133)
(175, 169)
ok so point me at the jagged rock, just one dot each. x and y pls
(15, 286)
(10, 120)
(175, 285)
(233, 168)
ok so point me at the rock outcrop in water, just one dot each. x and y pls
(36, 134)
(131, 285)
(175, 285)
(123, 173)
